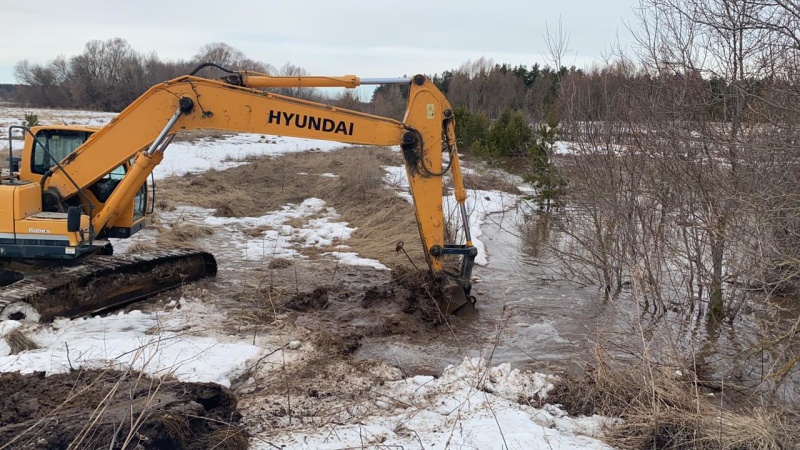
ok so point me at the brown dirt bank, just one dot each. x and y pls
(114, 410)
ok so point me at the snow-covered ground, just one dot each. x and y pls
(471, 405)
(178, 341)
(231, 151)
(278, 235)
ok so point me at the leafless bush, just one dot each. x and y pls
(661, 409)
(682, 182)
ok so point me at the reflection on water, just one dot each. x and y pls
(552, 322)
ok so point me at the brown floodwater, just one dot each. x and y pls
(531, 317)
(526, 316)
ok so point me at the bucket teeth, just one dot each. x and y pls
(102, 282)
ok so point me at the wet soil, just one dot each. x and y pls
(334, 382)
(343, 314)
(91, 409)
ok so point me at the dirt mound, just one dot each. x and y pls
(345, 313)
(109, 409)
(309, 301)
(414, 291)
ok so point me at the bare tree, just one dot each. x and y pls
(557, 43)
(290, 70)
(224, 55)
(674, 152)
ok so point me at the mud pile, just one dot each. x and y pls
(344, 313)
(113, 410)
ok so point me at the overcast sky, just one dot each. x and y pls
(366, 38)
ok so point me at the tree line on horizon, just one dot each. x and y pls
(109, 75)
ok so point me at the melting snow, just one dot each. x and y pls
(158, 344)
(231, 151)
(470, 406)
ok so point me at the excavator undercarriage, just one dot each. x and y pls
(97, 283)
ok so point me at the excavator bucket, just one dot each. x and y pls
(98, 284)
(455, 299)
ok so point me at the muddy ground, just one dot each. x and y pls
(331, 320)
(332, 383)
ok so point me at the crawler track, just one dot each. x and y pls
(101, 283)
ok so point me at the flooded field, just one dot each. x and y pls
(326, 334)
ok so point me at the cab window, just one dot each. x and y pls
(60, 143)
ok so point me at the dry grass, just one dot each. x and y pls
(182, 235)
(175, 425)
(199, 134)
(142, 247)
(266, 184)
(230, 438)
(18, 342)
(361, 179)
(660, 410)
(280, 263)
(165, 205)
(490, 182)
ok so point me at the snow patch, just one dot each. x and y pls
(352, 259)
(158, 344)
(223, 153)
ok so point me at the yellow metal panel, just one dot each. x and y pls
(256, 81)
(44, 227)
(50, 228)
(7, 208)
(217, 106)
(425, 114)
(27, 200)
(125, 217)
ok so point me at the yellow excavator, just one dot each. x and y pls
(75, 187)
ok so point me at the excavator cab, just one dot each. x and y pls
(46, 146)
(41, 233)
(59, 142)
